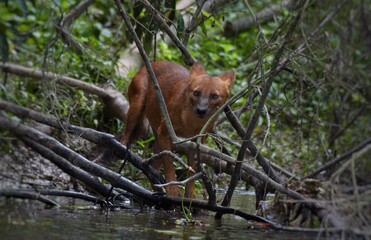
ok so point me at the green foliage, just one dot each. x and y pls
(33, 40)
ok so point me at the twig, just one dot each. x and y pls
(302, 47)
(184, 182)
(251, 146)
(205, 179)
(350, 123)
(174, 156)
(198, 136)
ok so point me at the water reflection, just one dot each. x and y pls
(21, 219)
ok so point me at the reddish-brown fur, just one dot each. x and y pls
(191, 97)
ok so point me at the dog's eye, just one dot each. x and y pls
(214, 96)
(196, 93)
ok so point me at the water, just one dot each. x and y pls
(20, 219)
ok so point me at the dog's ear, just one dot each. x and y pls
(228, 77)
(197, 69)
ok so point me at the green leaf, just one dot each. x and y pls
(212, 19)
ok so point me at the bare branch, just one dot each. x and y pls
(89, 180)
(174, 156)
(103, 139)
(55, 147)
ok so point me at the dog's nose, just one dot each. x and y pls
(201, 112)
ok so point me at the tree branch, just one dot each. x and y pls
(73, 158)
(103, 139)
(27, 195)
(61, 193)
(66, 22)
(89, 180)
(343, 157)
(184, 182)
(113, 101)
(120, 182)
(71, 82)
(238, 26)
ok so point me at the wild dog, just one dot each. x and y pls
(191, 97)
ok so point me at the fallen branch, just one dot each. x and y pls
(117, 180)
(73, 158)
(90, 181)
(103, 139)
(60, 193)
(27, 195)
(38, 74)
(111, 98)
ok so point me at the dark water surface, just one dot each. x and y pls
(20, 219)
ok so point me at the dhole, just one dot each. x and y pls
(191, 97)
